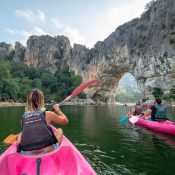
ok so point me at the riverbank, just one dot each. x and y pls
(7, 104)
(80, 102)
(124, 104)
(73, 102)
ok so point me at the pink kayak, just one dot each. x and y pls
(66, 160)
(167, 127)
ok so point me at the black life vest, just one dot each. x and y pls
(35, 134)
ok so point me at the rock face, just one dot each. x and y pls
(6, 51)
(47, 52)
(144, 47)
(19, 53)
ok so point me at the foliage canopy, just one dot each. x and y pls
(17, 79)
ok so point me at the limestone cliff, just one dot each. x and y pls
(145, 47)
(6, 51)
(47, 52)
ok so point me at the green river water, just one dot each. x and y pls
(112, 148)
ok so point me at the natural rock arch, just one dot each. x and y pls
(146, 68)
(142, 47)
(109, 71)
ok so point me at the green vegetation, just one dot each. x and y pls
(157, 92)
(17, 79)
(131, 95)
(145, 99)
(172, 93)
(128, 95)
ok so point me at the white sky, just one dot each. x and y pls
(83, 22)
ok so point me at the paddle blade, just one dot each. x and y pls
(82, 87)
(133, 119)
(123, 119)
(10, 139)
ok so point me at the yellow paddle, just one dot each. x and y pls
(10, 139)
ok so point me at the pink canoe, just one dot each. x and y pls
(167, 127)
(66, 160)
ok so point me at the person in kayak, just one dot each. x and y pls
(157, 111)
(37, 135)
(137, 109)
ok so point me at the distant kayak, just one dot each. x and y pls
(167, 127)
(65, 160)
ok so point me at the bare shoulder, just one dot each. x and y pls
(56, 118)
(50, 114)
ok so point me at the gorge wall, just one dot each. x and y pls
(145, 47)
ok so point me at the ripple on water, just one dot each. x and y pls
(97, 158)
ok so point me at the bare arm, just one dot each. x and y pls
(59, 118)
(132, 111)
(147, 112)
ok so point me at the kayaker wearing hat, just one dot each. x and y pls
(157, 111)
(36, 136)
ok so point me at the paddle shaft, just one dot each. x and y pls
(66, 99)
(78, 90)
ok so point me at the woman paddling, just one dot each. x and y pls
(157, 111)
(37, 137)
(137, 109)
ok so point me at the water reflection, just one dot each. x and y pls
(161, 137)
(110, 146)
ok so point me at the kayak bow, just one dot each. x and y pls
(65, 160)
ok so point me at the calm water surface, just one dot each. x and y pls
(112, 148)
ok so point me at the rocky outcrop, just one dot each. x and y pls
(47, 52)
(145, 47)
(19, 53)
(6, 51)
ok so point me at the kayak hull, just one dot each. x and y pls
(66, 160)
(166, 127)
